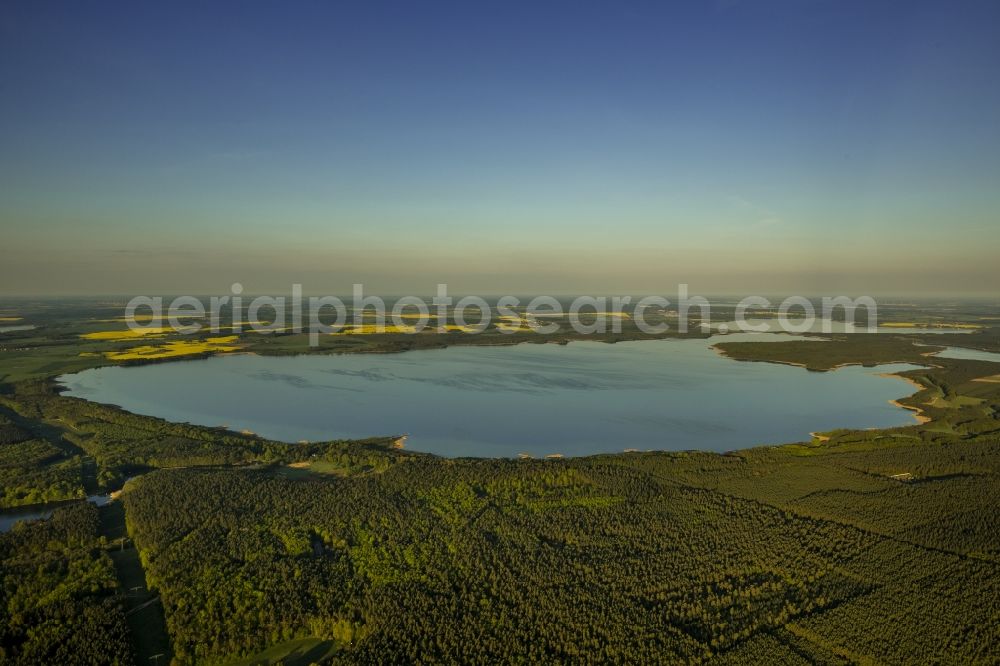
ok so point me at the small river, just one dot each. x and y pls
(9, 517)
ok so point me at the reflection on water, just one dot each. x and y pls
(577, 399)
(10, 517)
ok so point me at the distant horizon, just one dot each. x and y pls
(935, 297)
(821, 147)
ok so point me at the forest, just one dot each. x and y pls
(645, 557)
(858, 546)
(60, 601)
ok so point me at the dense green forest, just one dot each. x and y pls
(81, 447)
(643, 557)
(33, 470)
(59, 600)
(872, 546)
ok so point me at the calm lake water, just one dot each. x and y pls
(10, 517)
(540, 399)
(969, 354)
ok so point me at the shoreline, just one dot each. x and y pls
(918, 413)
(399, 442)
(796, 364)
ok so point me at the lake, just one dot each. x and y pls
(969, 354)
(539, 399)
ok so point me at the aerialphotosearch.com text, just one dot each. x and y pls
(443, 313)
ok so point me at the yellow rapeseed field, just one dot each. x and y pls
(177, 348)
(372, 329)
(911, 324)
(127, 334)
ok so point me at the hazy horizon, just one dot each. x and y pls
(776, 147)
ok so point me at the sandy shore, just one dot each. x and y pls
(919, 413)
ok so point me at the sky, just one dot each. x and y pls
(500, 147)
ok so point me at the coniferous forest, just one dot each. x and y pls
(860, 546)
(205, 545)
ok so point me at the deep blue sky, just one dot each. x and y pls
(791, 146)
